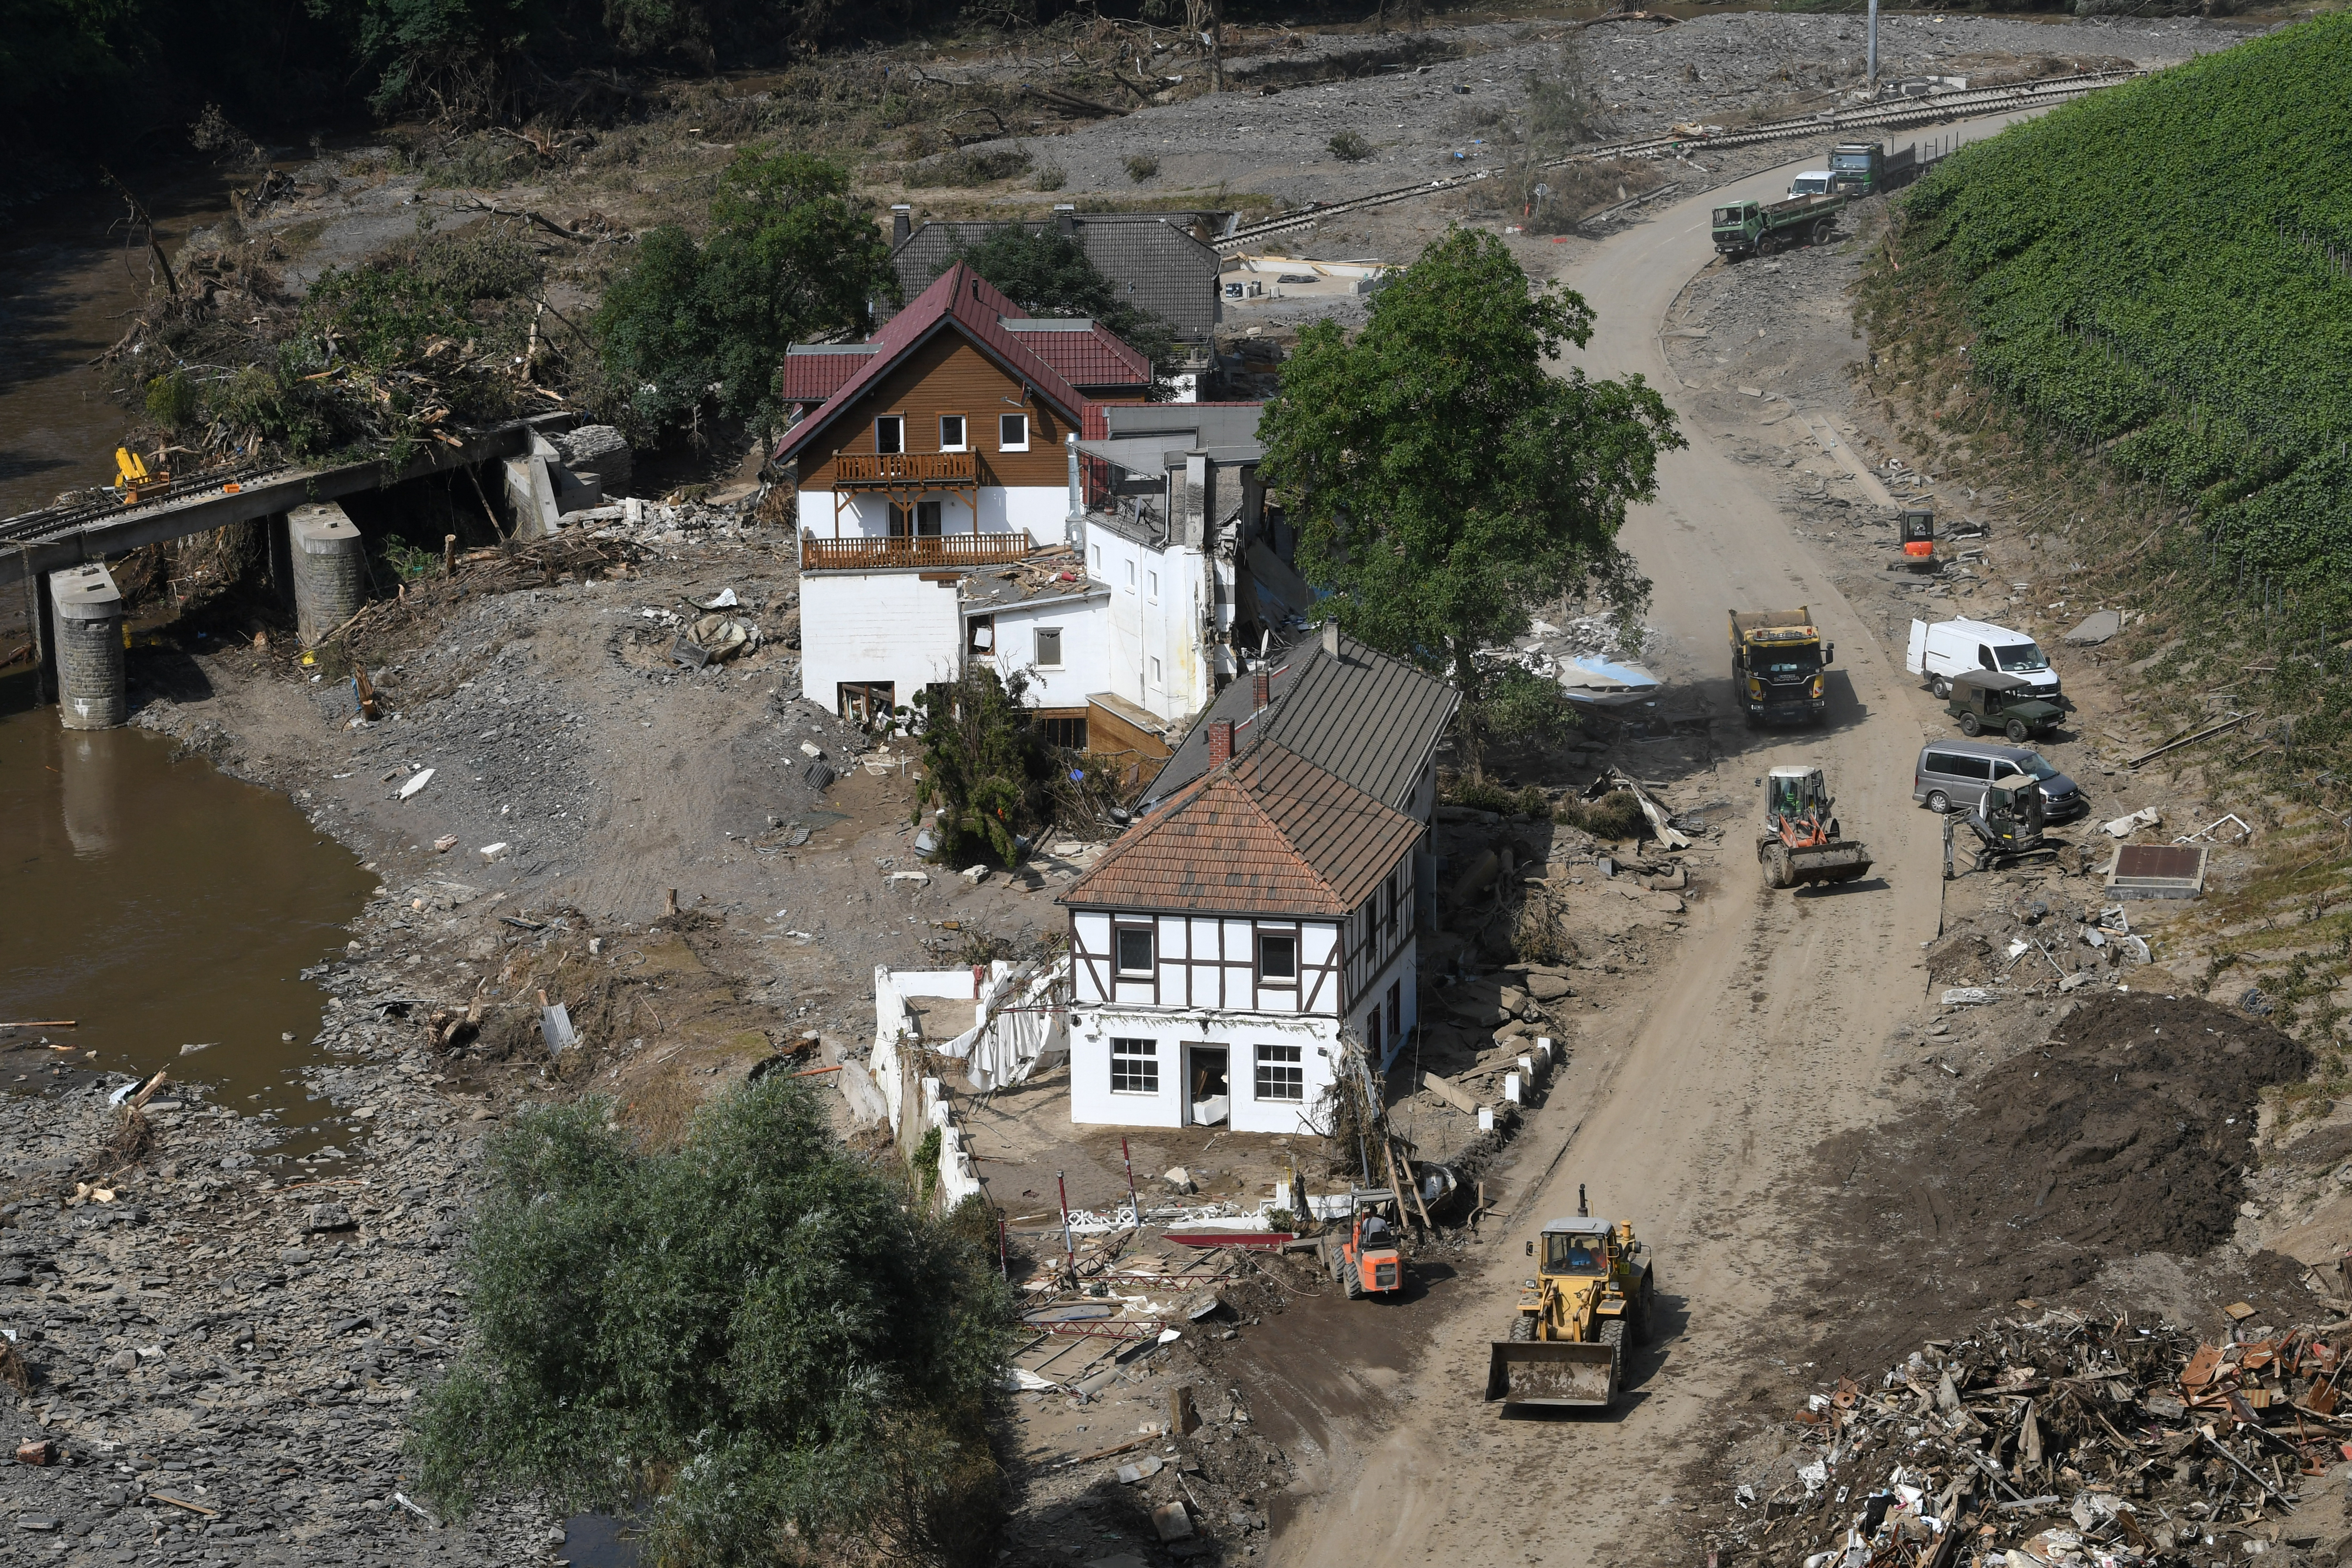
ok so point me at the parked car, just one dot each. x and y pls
(1942, 649)
(1994, 699)
(1952, 775)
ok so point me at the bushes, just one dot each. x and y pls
(1350, 148)
(753, 1331)
(1141, 166)
(984, 767)
(969, 166)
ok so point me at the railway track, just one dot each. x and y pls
(1941, 106)
(31, 527)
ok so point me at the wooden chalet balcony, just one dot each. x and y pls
(948, 549)
(904, 470)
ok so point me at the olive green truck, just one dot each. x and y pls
(1759, 228)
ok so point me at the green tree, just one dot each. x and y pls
(694, 326)
(1049, 273)
(753, 1333)
(1446, 477)
(984, 766)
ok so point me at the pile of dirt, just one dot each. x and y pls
(2129, 1130)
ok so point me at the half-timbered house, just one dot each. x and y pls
(1222, 948)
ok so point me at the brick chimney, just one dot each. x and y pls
(902, 223)
(1221, 741)
(1261, 689)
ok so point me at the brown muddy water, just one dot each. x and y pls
(162, 904)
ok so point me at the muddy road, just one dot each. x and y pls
(1693, 1114)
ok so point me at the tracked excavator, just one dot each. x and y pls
(1799, 844)
(1593, 1293)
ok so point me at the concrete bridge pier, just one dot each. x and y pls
(86, 614)
(328, 561)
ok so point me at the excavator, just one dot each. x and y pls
(1915, 529)
(1799, 844)
(1593, 1292)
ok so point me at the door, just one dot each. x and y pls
(1915, 658)
(1208, 1087)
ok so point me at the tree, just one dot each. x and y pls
(984, 766)
(754, 1331)
(1049, 273)
(1447, 478)
(703, 326)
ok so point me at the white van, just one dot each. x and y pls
(1811, 183)
(1941, 650)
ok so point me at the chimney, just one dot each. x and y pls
(1331, 639)
(1261, 689)
(1221, 741)
(902, 223)
(1065, 217)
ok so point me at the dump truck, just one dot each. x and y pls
(1759, 228)
(1801, 843)
(1777, 660)
(1593, 1292)
(1867, 169)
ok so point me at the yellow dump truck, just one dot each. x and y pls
(1778, 659)
(1592, 1294)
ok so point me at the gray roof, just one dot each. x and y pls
(1152, 258)
(1370, 719)
(1577, 1225)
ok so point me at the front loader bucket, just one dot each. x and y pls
(1840, 862)
(1551, 1372)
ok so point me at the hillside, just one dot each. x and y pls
(2165, 270)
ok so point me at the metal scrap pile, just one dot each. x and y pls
(2062, 1442)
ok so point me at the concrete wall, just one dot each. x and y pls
(1084, 625)
(1175, 1034)
(878, 626)
(1158, 612)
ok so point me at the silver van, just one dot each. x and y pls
(1952, 775)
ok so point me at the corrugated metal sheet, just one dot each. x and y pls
(1270, 834)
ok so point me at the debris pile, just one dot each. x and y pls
(2060, 1441)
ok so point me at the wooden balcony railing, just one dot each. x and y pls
(949, 550)
(900, 470)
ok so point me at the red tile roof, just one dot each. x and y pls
(814, 376)
(1269, 833)
(961, 300)
(1096, 357)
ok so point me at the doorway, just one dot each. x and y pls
(1208, 1091)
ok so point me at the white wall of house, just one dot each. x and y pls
(867, 626)
(1207, 961)
(1085, 625)
(1159, 607)
(1037, 509)
(1301, 1051)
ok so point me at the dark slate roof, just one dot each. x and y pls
(1269, 833)
(1152, 258)
(1371, 720)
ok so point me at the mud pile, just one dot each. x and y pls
(2128, 1130)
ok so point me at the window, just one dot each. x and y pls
(927, 524)
(951, 433)
(866, 701)
(1135, 1066)
(1396, 1007)
(1280, 1074)
(1155, 675)
(1012, 432)
(1049, 648)
(1131, 576)
(1372, 1032)
(1278, 958)
(890, 434)
(1097, 560)
(1155, 587)
(1067, 731)
(983, 634)
(1135, 950)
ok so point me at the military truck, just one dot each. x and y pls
(1777, 660)
(1759, 228)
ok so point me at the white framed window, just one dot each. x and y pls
(1279, 1075)
(1097, 560)
(1135, 1066)
(1134, 952)
(1012, 432)
(1152, 587)
(1278, 958)
(889, 434)
(1131, 576)
(952, 434)
(1156, 684)
(1049, 648)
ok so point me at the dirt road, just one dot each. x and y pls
(1693, 1116)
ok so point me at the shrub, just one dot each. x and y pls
(969, 166)
(1616, 815)
(1142, 166)
(1350, 148)
(1051, 178)
(171, 401)
(1484, 794)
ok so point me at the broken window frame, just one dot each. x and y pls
(865, 701)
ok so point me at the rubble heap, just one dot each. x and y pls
(2060, 1441)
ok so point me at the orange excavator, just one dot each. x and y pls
(1799, 844)
(1917, 529)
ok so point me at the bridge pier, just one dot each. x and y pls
(329, 564)
(85, 615)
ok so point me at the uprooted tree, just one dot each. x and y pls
(1447, 478)
(985, 766)
(752, 1340)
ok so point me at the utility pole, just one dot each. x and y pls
(1874, 48)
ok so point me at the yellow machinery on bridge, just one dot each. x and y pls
(134, 481)
(1593, 1292)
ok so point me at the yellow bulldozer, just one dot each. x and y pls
(1592, 1294)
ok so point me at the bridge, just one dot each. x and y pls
(60, 553)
